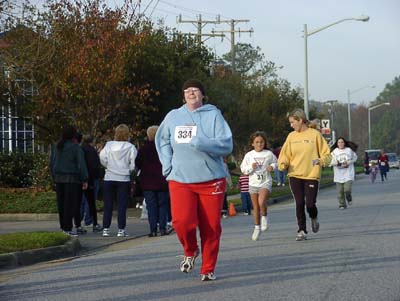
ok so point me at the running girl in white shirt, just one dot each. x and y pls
(258, 164)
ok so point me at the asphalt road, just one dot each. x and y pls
(355, 256)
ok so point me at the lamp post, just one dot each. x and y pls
(369, 119)
(306, 35)
(348, 104)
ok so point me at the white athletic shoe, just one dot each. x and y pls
(264, 223)
(106, 232)
(256, 233)
(208, 277)
(301, 236)
(187, 263)
(122, 233)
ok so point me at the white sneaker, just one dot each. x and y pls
(208, 277)
(187, 263)
(283, 184)
(264, 223)
(256, 233)
(279, 184)
(106, 232)
(122, 233)
(301, 236)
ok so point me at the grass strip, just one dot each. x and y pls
(21, 241)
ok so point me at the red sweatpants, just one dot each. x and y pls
(198, 205)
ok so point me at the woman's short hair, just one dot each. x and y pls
(151, 132)
(298, 114)
(121, 133)
(87, 139)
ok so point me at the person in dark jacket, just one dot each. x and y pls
(154, 185)
(92, 160)
(383, 162)
(70, 175)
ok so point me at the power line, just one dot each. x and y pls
(188, 9)
(233, 31)
(199, 23)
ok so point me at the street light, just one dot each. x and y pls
(369, 119)
(306, 35)
(348, 104)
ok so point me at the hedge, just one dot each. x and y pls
(19, 170)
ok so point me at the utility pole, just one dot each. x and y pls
(232, 31)
(199, 24)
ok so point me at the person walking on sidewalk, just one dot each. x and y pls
(118, 157)
(343, 158)
(243, 185)
(70, 175)
(153, 183)
(77, 214)
(191, 143)
(89, 197)
(303, 154)
(258, 165)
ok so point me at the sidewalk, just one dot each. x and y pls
(84, 244)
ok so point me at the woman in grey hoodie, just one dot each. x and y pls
(191, 143)
(118, 157)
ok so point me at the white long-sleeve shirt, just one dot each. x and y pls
(258, 176)
(118, 157)
(339, 156)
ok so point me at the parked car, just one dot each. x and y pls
(393, 160)
(373, 155)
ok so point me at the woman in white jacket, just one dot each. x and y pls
(343, 158)
(118, 157)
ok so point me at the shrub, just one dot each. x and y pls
(20, 170)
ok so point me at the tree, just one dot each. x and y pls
(165, 61)
(76, 54)
(97, 67)
(385, 130)
(250, 62)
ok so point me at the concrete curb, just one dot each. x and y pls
(11, 260)
(20, 217)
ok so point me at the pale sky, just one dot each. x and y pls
(350, 55)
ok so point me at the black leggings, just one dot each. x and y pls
(305, 194)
